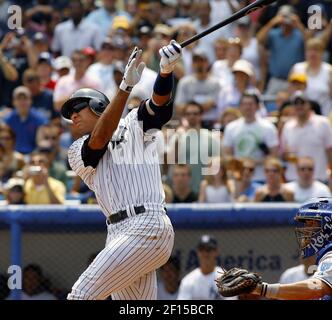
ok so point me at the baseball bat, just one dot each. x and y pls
(237, 15)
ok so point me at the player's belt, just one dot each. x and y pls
(121, 215)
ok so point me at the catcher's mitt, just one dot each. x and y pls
(237, 281)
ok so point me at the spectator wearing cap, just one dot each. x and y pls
(285, 30)
(306, 135)
(62, 66)
(42, 99)
(68, 84)
(75, 33)
(103, 17)
(44, 69)
(14, 191)
(319, 75)
(306, 187)
(252, 50)
(120, 27)
(24, 120)
(103, 68)
(199, 284)
(40, 43)
(297, 82)
(251, 136)
(11, 159)
(144, 34)
(222, 69)
(244, 78)
(40, 188)
(200, 87)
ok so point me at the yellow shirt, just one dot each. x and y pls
(39, 195)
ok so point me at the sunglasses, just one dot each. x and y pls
(78, 108)
(192, 113)
(250, 169)
(272, 170)
(306, 169)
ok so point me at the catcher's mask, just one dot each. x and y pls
(316, 232)
(82, 98)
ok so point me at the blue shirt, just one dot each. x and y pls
(284, 51)
(103, 19)
(44, 104)
(25, 130)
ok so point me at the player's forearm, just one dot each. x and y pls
(109, 120)
(303, 290)
(162, 90)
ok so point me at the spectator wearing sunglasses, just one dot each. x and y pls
(274, 190)
(306, 187)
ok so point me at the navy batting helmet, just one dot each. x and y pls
(82, 98)
(316, 234)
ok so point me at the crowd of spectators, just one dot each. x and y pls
(252, 101)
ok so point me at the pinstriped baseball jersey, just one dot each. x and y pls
(128, 173)
(126, 176)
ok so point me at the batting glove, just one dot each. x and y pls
(133, 72)
(170, 55)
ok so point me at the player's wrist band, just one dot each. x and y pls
(124, 87)
(163, 86)
(270, 291)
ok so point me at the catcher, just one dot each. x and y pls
(315, 239)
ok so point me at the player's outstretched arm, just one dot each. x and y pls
(312, 288)
(157, 111)
(109, 120)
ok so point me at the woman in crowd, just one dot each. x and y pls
(215, 188)
(274, 190)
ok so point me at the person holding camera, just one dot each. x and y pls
(285, 30)
(251, 136)
(40, 188)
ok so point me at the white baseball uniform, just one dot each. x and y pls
(126, 176)
(324, 271)
(198, 286)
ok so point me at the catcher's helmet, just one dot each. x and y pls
(82, 98)
(312, 239)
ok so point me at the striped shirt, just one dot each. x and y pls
(128, 174)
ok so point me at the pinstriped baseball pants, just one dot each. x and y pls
(126, 267)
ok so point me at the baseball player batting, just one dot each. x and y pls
(117, 159)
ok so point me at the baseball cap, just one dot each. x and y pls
(163, 29)
(243, 66)
(39, 37)
(200, 53)
(45, 57)
(62, 62)
(298, 77)
(298, 95)
(286, 10)
(14, 182)
(145, 30)
(207, 241)
(244, 21)
(120, 22)
(170, 3)
(89, 51)
(21, 91)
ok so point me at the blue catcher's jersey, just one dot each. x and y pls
(324, 270)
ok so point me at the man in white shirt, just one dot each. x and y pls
(251, 136)
(200, 284)
(306, 135)
(306, 186)
(75, 33)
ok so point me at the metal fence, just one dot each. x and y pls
(61, 239)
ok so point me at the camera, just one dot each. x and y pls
(35, 170)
